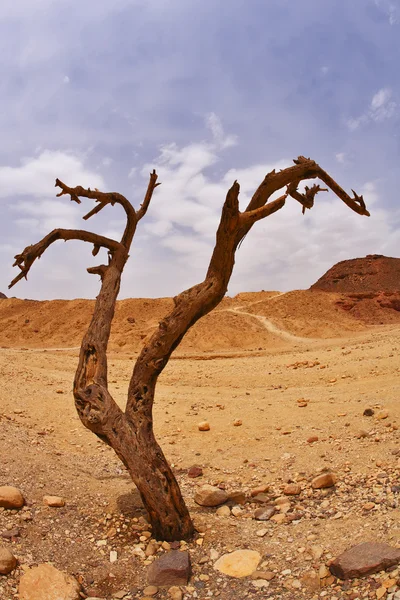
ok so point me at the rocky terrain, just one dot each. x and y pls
(282, 429)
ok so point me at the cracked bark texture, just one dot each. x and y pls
(130, 432)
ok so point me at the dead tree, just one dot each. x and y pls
(130, 433)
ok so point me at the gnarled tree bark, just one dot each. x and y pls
(130, 432)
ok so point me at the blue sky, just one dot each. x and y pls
(207, 91)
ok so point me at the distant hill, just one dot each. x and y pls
(369, 288)
(374, 273)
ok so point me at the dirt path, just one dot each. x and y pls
(267, 323)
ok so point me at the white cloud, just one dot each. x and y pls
(340, 157)
(381, 108)
(36, 175)
(66, 79)
(213, 122)
(391, 9)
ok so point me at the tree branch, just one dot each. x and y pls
(149, 193)
(304, 168)
(26, 259)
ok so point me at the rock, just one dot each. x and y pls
(45, 582)
(175, 593)
(240, 563)
(267, 575)
(382, 414)
(209, 495)
(8, 562)
(54, 501)
(150, 590)
(264, 513)
(237, 423)
(279, 518)
(310, 580)
(261, 489)
(261, 498)
(237, 497)
(312, 439)
(10, 533)
(204, 426)
(237, 511)
(325, 480)
(363, 559)
(292, 489)
(368, 412)
(11, 497)
(223, 511)
(195, 472)
(151, 549)
(172, 568)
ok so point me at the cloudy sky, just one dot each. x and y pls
(205, 91)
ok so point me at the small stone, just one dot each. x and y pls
(292, 489)
(113, 556)
(261, 489)
(237, 423)
(237, 497)
(279, 518)
(368, 412)
(8, 562)
(172, 568)
(151, 549)
(45, 581)
(223, 511)
(150, 590)
(237, 511)
(325, 480)
(261, 532)
(311, 581)
(323, 572)
(195, 472)
(312, 439)
(368, 506)
(11, 497)
(264, 513)
(209, 495)
(260, 583)
(166, 546)
(267, 575)
(54, 501)
(382, 414)
(261, 498)
(204, 426)
(316, 552)
(240, 563)
(175, 593)
(363, 559)
(362, 434)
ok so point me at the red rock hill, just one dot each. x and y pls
(370, 287)
(374, 273)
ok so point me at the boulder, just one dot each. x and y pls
(11, 497)
(363, 559)
(45, 582)
(172, 568)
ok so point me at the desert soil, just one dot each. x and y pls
(252, 360)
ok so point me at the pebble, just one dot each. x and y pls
(195, 472)
(204, 426)
(261, 489)
(312, 439)
(11, 497)
(150, 590)
(264, 513)
(175, 593)
(292, 489)
(240, 563)
(237, 423)
(209, 495)
(325, 480)
(223, 511)
(53, 501)
(8, 562)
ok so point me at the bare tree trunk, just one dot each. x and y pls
(130, 433)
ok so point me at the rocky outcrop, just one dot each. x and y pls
(374, 273)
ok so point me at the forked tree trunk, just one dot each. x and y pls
(130, 433)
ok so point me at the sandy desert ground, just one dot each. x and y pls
(253, 359)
